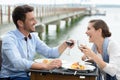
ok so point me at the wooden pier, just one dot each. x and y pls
(46, 15)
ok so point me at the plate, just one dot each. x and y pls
(88, 63)
(87, 67)
(90, 67)
(41, 60)
(88, 60)
(84, 63)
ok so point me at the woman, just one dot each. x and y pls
(105, 52)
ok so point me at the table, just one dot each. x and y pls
(63, 74)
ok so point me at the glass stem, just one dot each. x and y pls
(68, 52)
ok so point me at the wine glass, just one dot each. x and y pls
(78, 43)
(69, 43)
(83, 42)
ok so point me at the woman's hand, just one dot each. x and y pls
(87, 51)
(84, 57)
(87, 59)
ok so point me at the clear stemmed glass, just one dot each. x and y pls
(78, 43)
(83, 42)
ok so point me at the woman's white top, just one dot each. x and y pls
(113, 67)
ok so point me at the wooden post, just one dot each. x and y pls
(67, 22)
(47, 29)
(8, 13)
(40, 30)
(36, 11)
(1, 16)
(58, 28)
(72, 20)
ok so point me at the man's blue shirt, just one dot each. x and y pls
(18, 53)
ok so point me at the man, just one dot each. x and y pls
(19, 47)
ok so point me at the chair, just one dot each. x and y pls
(0, 53)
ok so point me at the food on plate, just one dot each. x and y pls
(77, 65)
(46, 61)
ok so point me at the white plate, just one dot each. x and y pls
(87, 67)
(88, 63)
(84, 63)
(67, 65)
(90, 67)
(41, 60)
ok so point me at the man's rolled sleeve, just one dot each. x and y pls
(29, 64)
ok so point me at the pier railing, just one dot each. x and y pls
(41, 11)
